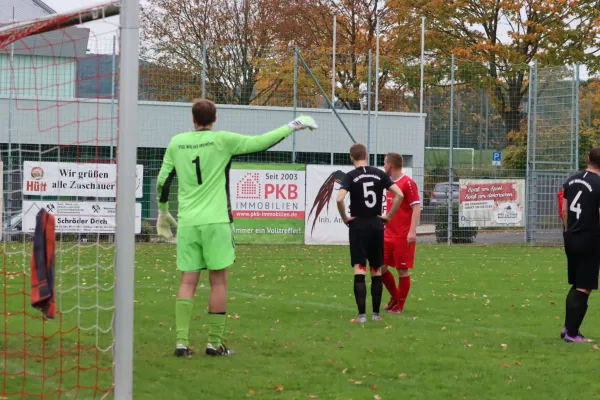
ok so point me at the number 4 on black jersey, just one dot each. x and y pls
(582, 194)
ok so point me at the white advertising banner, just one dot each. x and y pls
(268, 194)
(268, 205)
(71, 179)
(492, 203)
(323, 222)
(77, 217)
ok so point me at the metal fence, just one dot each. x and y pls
(471, 110)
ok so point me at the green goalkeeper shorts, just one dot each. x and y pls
(201, 247)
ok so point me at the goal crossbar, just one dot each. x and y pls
(10, 33)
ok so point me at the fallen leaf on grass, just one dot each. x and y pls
(374, 387)
(518, 364)
(402, 375)
(505, 365)
(504, 346)
(344, 370)
(595, 347)
(377, 397)
(443, 328)
(313, 396)
(358, 382)
(279, 388)
(252, 391)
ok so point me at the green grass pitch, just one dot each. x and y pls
(480, 323)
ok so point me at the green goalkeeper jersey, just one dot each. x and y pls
(201, 160)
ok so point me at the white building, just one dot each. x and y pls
(42, 65)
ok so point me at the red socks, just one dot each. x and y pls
(390, 283)
(403, 289)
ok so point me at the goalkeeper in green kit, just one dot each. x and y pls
(202, 159)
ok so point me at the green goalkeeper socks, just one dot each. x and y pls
(183, 316)
(216, 327)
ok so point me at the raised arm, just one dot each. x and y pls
(242, 144)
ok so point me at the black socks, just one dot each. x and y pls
(360, 293)
(577, 305)
(376, 292)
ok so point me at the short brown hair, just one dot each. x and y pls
(594, 157)
(204, 112)
(358, 152)
(395, 159)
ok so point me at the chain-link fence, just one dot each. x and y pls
(480, 123)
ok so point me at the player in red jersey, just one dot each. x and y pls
(400, 234)
(561, 200)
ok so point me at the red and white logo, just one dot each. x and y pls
(36, 184)
(249, 186)
(37, 173)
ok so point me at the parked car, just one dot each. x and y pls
(440, 193)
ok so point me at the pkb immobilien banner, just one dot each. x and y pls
(268, 203)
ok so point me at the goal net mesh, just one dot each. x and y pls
(58, 122)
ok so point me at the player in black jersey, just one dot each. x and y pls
(367, 186)
(581, 218)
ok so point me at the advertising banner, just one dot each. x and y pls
(71, 179)
(324, 225)
(77, 217)
(267, 202)
(492, 203)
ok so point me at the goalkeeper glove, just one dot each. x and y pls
(303, 122)
(164, 223)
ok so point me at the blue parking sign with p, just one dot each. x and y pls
(497, 158)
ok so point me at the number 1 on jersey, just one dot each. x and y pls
(575, 206)
(199, 174)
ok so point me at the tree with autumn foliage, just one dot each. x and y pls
(240, 42)
(505, 37)
(590, 103)
(310, 27)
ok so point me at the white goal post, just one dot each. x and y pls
(128, 10)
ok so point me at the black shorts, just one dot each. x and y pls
(583, 259)
(366, 243)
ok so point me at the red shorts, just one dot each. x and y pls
(397, 253)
